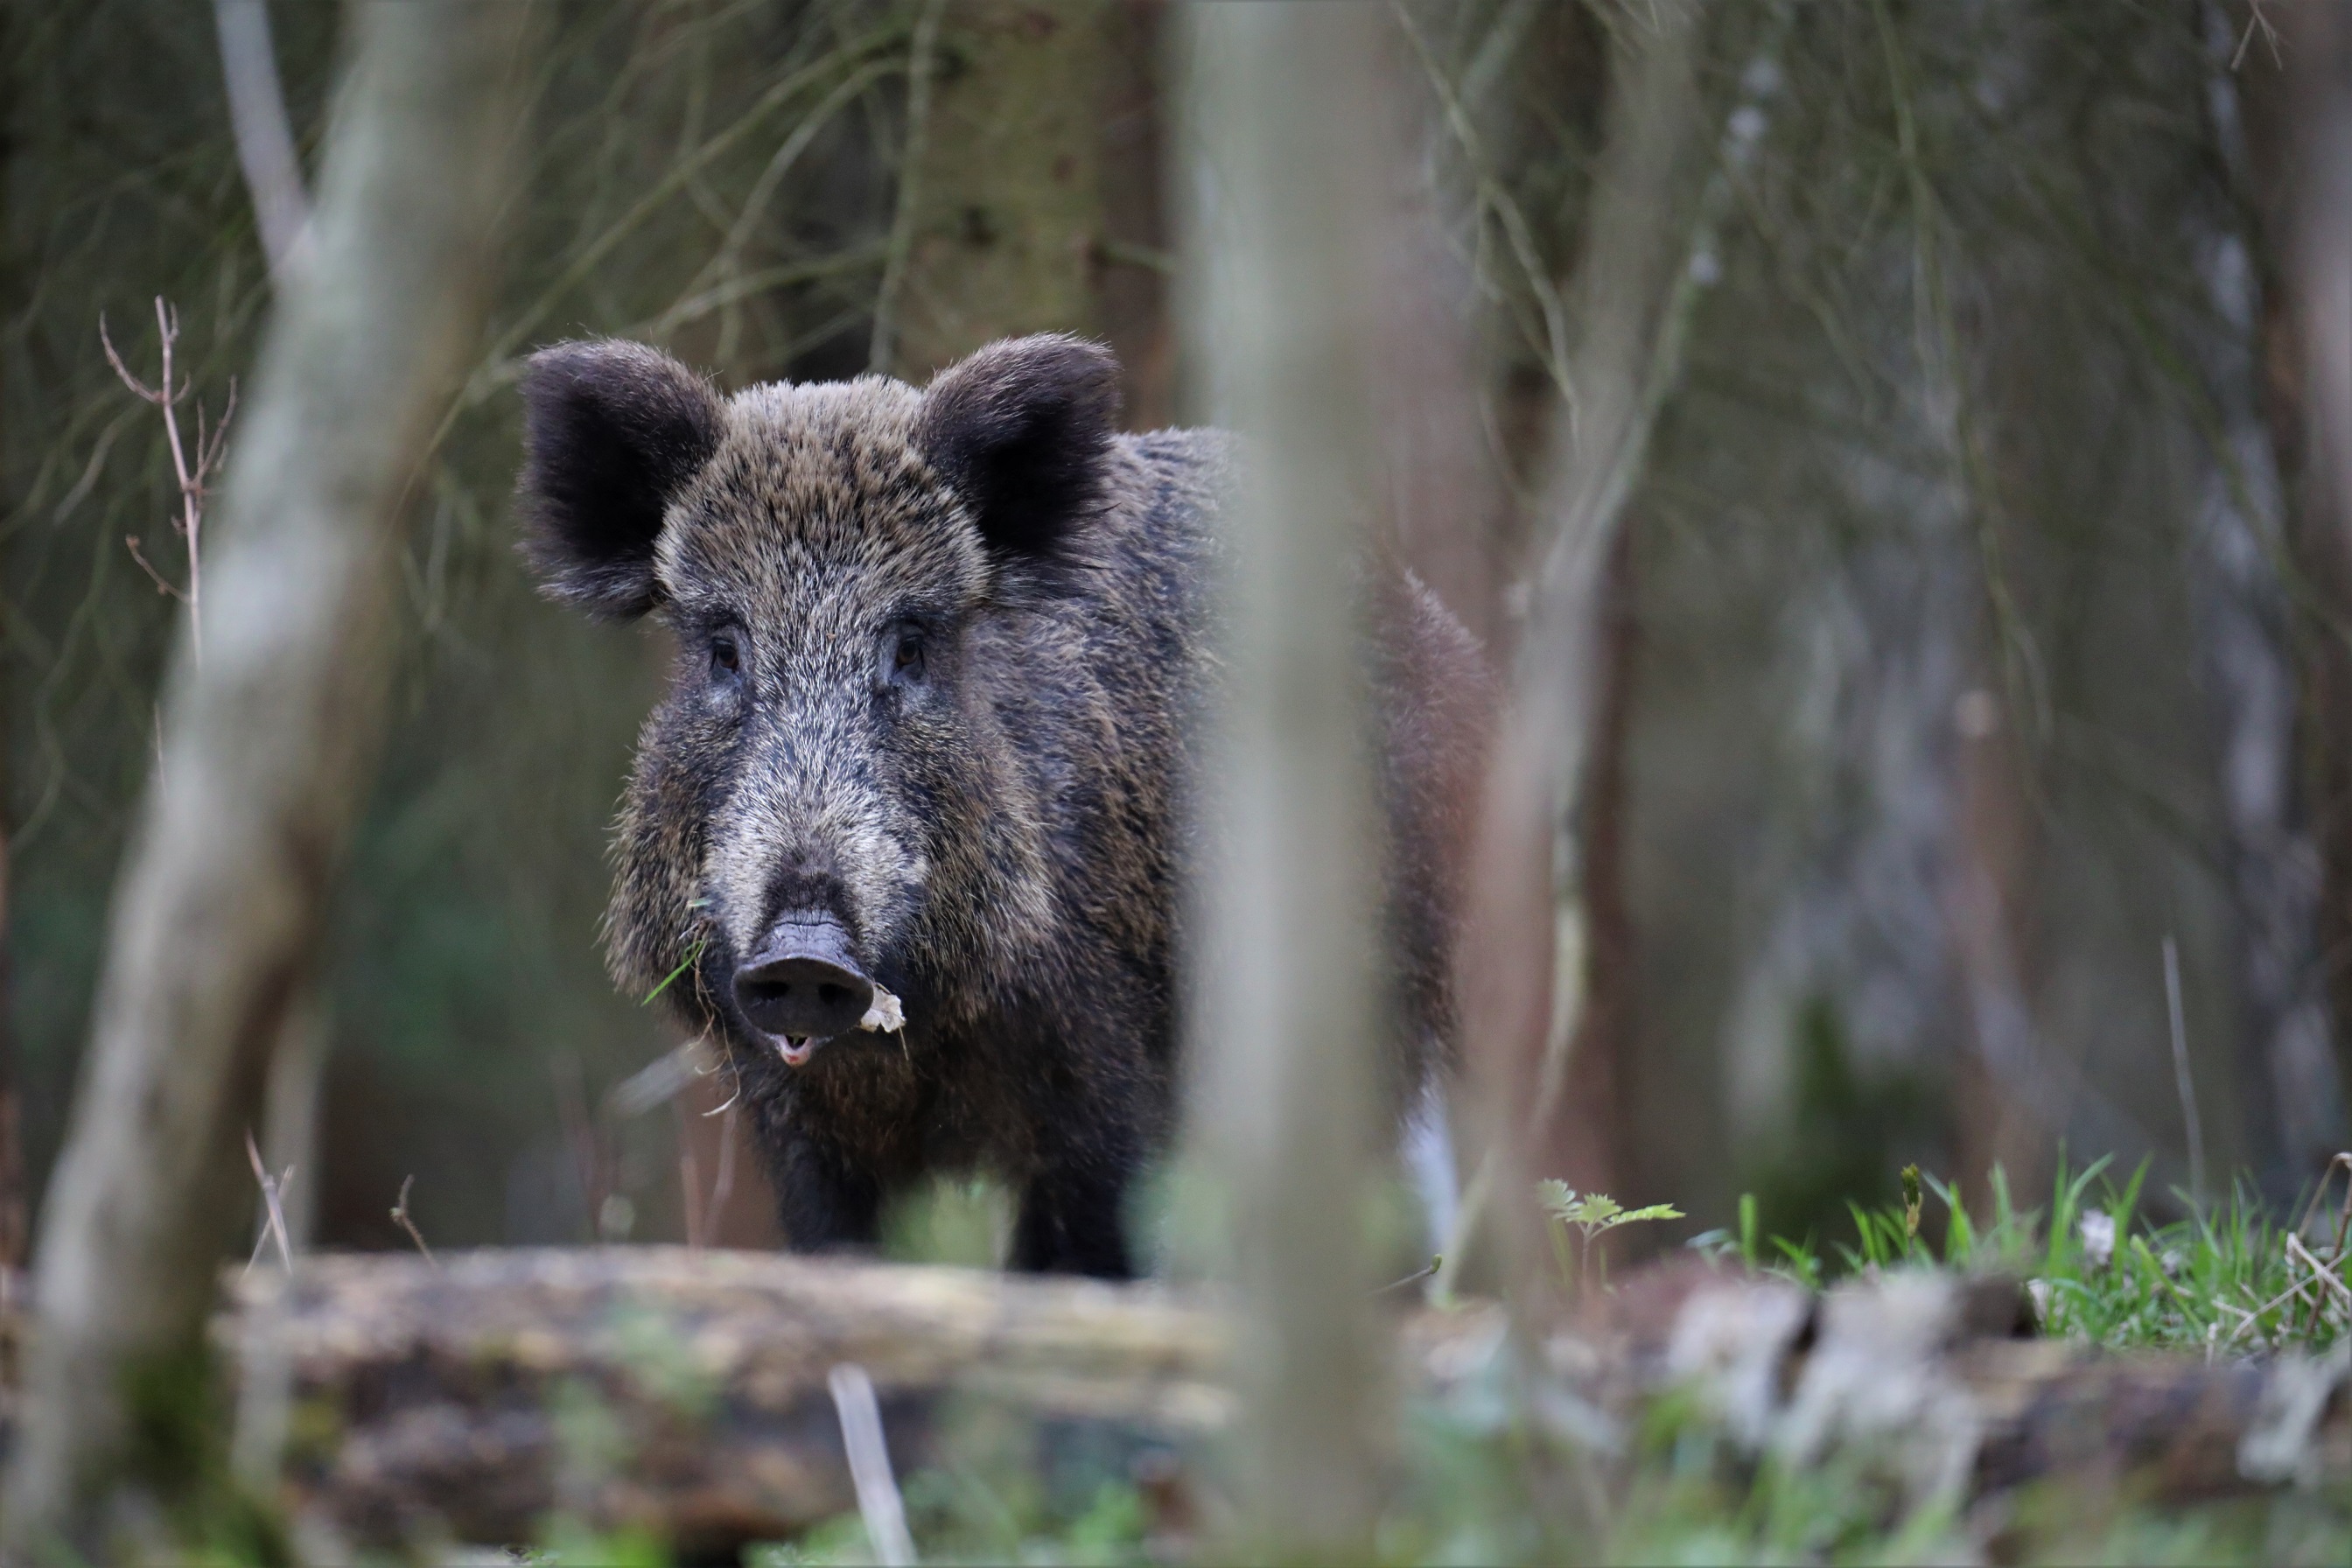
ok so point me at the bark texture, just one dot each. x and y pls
(1001, 205)
(266, 751)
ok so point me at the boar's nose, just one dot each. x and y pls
(802, 982)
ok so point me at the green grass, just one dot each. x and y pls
(2225, 1281)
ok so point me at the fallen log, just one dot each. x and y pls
(685, 1394)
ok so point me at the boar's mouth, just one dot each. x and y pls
(804, 984)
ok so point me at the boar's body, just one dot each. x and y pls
(939, 653)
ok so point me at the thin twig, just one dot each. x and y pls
(2343, 1227)
(2269, 36)
(162, 584)
(1415, 1278)
(271, 1188)
(400, 1218)
(2294, 1292)
(2320, 1271)
(2183, 1080)
(878, 1502)
(212, 443)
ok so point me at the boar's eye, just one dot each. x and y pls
(724, 658)
(907, 654)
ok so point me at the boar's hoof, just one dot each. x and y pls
(804, 984)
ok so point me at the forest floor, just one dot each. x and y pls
(2231, 1282)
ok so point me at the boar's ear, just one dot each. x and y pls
(611, 430)
(1021, 430)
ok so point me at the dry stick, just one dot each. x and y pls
(2269, 36)
(2320, 1272)
(2343, 1221)
(2294, 1293)
(400, 1217)
(2183, 1080)
(878, 1503)
(271, 1186)
(210, 445)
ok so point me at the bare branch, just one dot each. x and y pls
(2258, 22)
(138, 387)
(163, 584)
(272, 1187)
(265, 139)
(400, 1216)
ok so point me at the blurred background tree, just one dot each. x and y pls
(1971, 629)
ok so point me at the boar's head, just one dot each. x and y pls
(831, 797)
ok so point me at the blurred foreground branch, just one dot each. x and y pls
(451, 1402)
(265, 754)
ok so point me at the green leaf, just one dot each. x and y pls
(1555, 1197)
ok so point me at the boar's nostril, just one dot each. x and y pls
(803, 981)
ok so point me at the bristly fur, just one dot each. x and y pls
(999, 832)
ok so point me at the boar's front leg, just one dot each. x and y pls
(825, 1202)
(1072, 1208)
(1070, 1223)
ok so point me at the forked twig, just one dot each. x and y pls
(162, 584)
(272, 1192)
(2269, 36)
(211, 443)
(2342, 1162)
(400, 1217)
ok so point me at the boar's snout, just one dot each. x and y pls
(804, 984)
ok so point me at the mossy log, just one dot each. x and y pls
(686, 1393)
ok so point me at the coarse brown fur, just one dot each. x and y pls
(997, 819)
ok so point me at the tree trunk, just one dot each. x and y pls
(1284, 108)
(1000, 218)
(1594, 1152)
(1629, 296)
(265, 757)
(2299, 144)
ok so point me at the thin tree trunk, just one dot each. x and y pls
(2242, 596)
(1000, 204)
(1286, 102)
(265, 754)
(13, 1216)
(1623, 367)
(1591, 1150)
(2297, 107)
(2319, 262)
